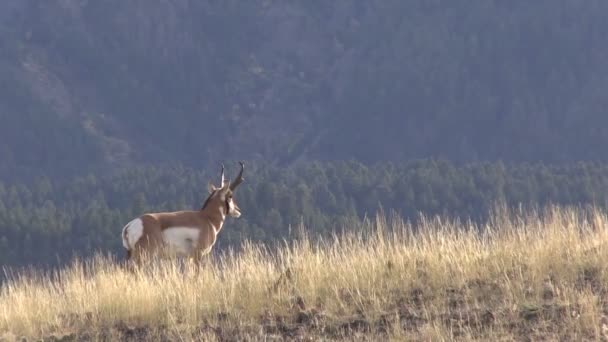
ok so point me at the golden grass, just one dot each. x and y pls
(520, 275)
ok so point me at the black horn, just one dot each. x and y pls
(239, 179)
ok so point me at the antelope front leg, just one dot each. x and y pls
(200, 260)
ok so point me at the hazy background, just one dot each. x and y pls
(110, 108)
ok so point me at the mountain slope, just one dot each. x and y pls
(90, 85)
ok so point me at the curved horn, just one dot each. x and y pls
(239, 179)
(222, 177)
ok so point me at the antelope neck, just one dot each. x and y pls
(216, 214)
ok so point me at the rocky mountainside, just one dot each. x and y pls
(98, 85)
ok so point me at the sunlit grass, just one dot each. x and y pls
(538, 273)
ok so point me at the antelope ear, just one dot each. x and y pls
(211, 188)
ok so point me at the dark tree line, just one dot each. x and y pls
(49, 221)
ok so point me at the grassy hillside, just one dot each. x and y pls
(521, 275)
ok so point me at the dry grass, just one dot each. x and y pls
(520, 276)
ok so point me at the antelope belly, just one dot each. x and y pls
(181, 240)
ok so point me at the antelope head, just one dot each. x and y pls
(224, 195)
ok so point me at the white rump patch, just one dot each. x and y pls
(181, 240)
(131, 233)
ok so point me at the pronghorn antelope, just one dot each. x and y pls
(184, 233)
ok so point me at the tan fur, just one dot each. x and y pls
(155, 223)
(209, 220)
